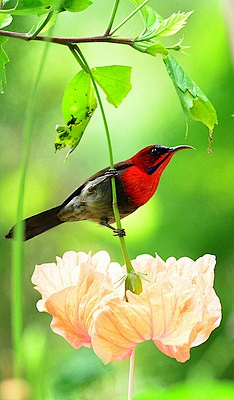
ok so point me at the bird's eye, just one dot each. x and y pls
(154, 152)
(158, 150)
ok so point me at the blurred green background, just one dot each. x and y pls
(191, 214)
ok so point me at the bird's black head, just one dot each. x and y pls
(158, 150)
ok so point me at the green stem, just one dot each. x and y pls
(112, 17)
(78, 54)
(17, 262)
(74, 52)
(44, 23)
(128, 17)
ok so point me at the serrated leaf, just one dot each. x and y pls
(3, 60)
(115, 81)
(167, 27)
(173, 24)
(194, 102)
(78, 106)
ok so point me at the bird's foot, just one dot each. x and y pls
(119, 232)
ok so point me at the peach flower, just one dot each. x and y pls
(177, 309)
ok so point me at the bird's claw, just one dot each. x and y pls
(119, 232)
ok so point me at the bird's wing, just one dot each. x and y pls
(118, 166)
(79, 189)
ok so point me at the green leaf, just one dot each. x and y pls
(173, 24)
(115, 81)
(5, 20)
(76, 5)
(27, 7)
(194, 102)
(166, 27)
(39, 7)
(78, 106)
(149, 16)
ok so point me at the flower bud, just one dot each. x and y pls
(133, 283)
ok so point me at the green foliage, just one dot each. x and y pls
(194, 102)
(29, 7)
(149, 16)
(151, 48)
(201, 190)
(78, 106)
(164, 27)
(76, 5)
(154, 27)
(5, 20)
(114, 81)
(79, 102)
(212, 390)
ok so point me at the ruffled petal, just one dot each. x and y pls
(177, 309)
(177, 312)
(51, 278)
(72, 308)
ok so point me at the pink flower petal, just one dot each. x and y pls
(72, 308)
(177, 312)
(73, 289)
(177, 309)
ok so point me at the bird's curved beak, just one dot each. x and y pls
(182, 147)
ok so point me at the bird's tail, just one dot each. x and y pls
(39, 223)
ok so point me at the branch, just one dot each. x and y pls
(68, 41)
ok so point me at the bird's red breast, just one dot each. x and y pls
(141, 179)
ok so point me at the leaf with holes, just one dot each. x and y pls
(78, 105)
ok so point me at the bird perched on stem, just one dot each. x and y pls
(136, 181)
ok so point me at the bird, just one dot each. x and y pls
(136, 180)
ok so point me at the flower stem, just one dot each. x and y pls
(112, 17)
(81, 59)
(128, 17)
(131, 374)
(17, 263)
